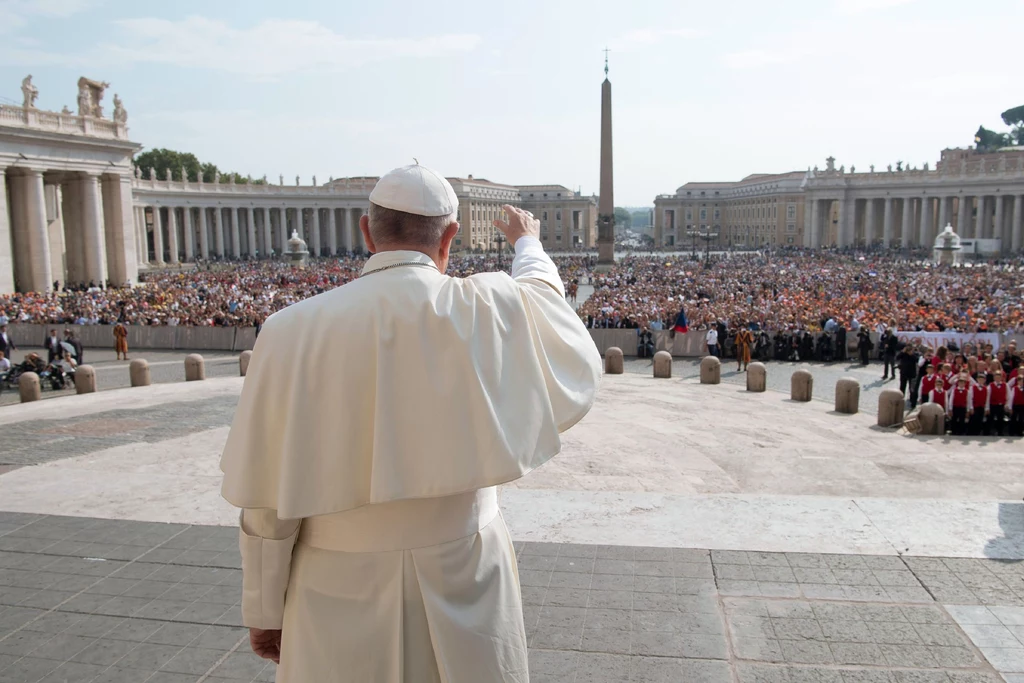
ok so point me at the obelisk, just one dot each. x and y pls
(606, 201)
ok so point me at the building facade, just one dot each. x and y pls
(568, 219)
(980, 195)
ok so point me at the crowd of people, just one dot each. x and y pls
(789, 292)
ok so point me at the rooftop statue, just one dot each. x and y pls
(30, 92)
(90, 94)
(120, 113)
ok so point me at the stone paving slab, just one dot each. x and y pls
(84, 599)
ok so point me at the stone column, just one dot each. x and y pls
(360, 240)
(6, 248)
(869, 222)
(346, 229)
(1015, 228)
(74, 244)
(887, 222)
(314, 248)
(846, 227)
(30, 243)
(925, 237)
(963, 215)
(943, 212)
(140, 244)
(267, 235)
(92, 224)
(121, 251)
(172, 234)
(158, 235)
(55, 232)
(190, 233)
(980, 227)
(908, 222)
(998, 223)
(332, 233)
(250, 231)
(815, 224)
(204, 235)
(218, 231)
(236, 245)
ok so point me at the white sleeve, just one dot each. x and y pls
(266, 544)
(531, 262)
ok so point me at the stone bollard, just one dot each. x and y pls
(243, 362)
(890, 408)
(757, 377)
(663, 364)
(195, 367)
(613, 361)
(710, 370)
(28, 387)
(138, 371)
(801, 386)
(847, 396)
(933, 419)
(85, 379)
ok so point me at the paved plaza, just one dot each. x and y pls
(685, 533)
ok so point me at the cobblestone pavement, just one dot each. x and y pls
(118, 601)
(32, 442)
(164, 367)
(779, 374)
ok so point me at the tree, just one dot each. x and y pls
(989, 140)
(622, 218)
(1015, 118)
(160, 160)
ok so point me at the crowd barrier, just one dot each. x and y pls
(680, 345)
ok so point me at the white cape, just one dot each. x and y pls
(407, 383)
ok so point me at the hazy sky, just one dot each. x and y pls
(510, 91)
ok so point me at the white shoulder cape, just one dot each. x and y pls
(407, 383)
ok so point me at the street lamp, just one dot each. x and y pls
(708, 234)
(690, 232)
(500, 240)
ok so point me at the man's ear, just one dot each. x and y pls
(446, 239)
(364, 227)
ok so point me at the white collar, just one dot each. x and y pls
(385, 259)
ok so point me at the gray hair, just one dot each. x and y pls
(388, 226)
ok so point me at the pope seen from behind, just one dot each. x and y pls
(373, 548)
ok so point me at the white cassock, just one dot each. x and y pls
(375, 423)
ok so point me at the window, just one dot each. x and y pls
(703, 214)
(790, 227)
(558, 215)
(791, 212)
(544, 216)
(458, 241)
(789, 240)
(717, 214)
(689, 214)
(558, 238)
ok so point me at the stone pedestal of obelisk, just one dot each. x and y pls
(606, 202)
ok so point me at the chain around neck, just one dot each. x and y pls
(398, 265)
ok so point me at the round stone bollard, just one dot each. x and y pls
(710, 370)
(28, 387)
(243, 362)
(801, 386)
(663, 364)
(138, 371)
(890, 408)
(613, 361)
(85, 379)
(933, 419)
(847, 396)
(757, 377)
(195, 367)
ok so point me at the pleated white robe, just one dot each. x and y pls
(375, 542)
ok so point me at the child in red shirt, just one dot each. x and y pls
(979, 406)
(958, 402)
(997, 394)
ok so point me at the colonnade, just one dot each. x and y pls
(915, 220)
(183, 233)
(64, 226)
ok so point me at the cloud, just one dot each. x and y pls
(642, 37)
(269, 49)
(861, 6)
(16, 13)
(752, 59)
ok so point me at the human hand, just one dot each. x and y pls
(520, 224)
(266, 643)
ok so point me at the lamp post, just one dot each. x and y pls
(708, 234)
(500, 240)
(691, 232)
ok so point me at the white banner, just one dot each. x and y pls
(934, 340)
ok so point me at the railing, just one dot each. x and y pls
(57, 122)
(357, 189)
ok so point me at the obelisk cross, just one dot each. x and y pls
(606, 51)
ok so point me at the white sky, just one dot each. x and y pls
(511, 91)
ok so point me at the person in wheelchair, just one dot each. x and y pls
(644, 343)
(63, 371)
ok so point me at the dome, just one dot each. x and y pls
(296, 244)
(947, 240)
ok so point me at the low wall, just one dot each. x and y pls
(688, 345)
